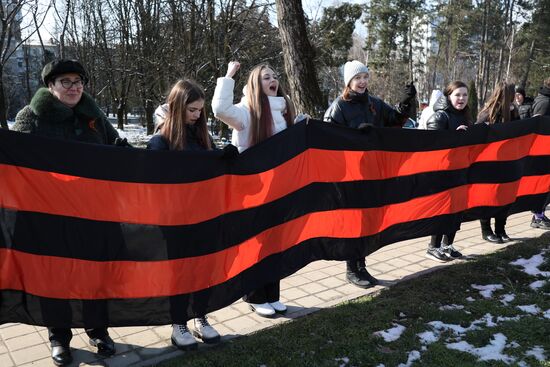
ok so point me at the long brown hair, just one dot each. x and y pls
(497, 107)
(174, 127)
(451, 87)
(261, 119)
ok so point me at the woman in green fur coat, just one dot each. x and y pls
(62, 110)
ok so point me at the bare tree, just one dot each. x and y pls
(11, 40)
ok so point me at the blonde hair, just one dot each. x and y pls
(261, 120)
(174, 127)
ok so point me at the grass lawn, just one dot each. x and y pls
(458, 324)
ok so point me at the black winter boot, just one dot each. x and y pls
(357, 274)
(487, 233)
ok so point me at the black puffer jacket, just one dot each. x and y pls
(363, 108)
(192, 141)
(47, 116)
(446, 117)
(541, 104)
(525, 108)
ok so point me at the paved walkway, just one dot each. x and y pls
(319, 285)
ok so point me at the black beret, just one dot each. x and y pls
(63, 66)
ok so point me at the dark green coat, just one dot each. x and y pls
(47, 116)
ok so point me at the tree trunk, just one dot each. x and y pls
(523, 82)
(3, 106)
(298, 58)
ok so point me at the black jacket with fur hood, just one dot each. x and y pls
(47, 116)
(446, 117)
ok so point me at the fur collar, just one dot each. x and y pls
(46, 106)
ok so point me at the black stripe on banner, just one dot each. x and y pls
(327, 136)
(112, 163)
(46, 234)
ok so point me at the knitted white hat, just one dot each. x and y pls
(352, 68)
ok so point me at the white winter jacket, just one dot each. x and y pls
(237, 116)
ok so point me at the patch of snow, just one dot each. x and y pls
(537, 284)
(491, 352)
(546, 314)
(523, 364)
(413, 356)
(507, 298)
(506, 318)
(391, 334)
(531, 265)
(342, 359)
(428, 337)
(470, 299)
(381, 365)
(532, 309)
(441, 326)
(488, 319)
(537, 352)
(451, 307)
(402, 315)
(487, 290)
(512, 344)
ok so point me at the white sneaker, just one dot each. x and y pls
(205, 331)
(182, 338)
(262, 309)
(278, 306)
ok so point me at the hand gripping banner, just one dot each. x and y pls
(95, 235)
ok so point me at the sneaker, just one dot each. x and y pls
(182, 338)
(278, 306)
(437, 254)
(205, 331)
(451, 252)
(542, 223)
(262, 309)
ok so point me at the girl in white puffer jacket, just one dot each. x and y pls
(263, 111)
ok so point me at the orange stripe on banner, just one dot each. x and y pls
(82, 279)
(190, 203)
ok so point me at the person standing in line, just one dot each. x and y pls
(62, 110)
(356, 108)
(451, 113)
(541, 107)
(499, 108)
(523, 103)
(429, 111)
(263, 112)
(182, 126)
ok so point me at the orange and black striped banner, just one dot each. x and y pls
(96, 235)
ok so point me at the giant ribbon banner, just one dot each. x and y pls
(98, 235)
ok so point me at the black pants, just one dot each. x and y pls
(268, 293)
(62, 336)
(446, 239)
(500, 223)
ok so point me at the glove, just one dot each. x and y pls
(408, 93)
(230, 151)
(119, 142)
